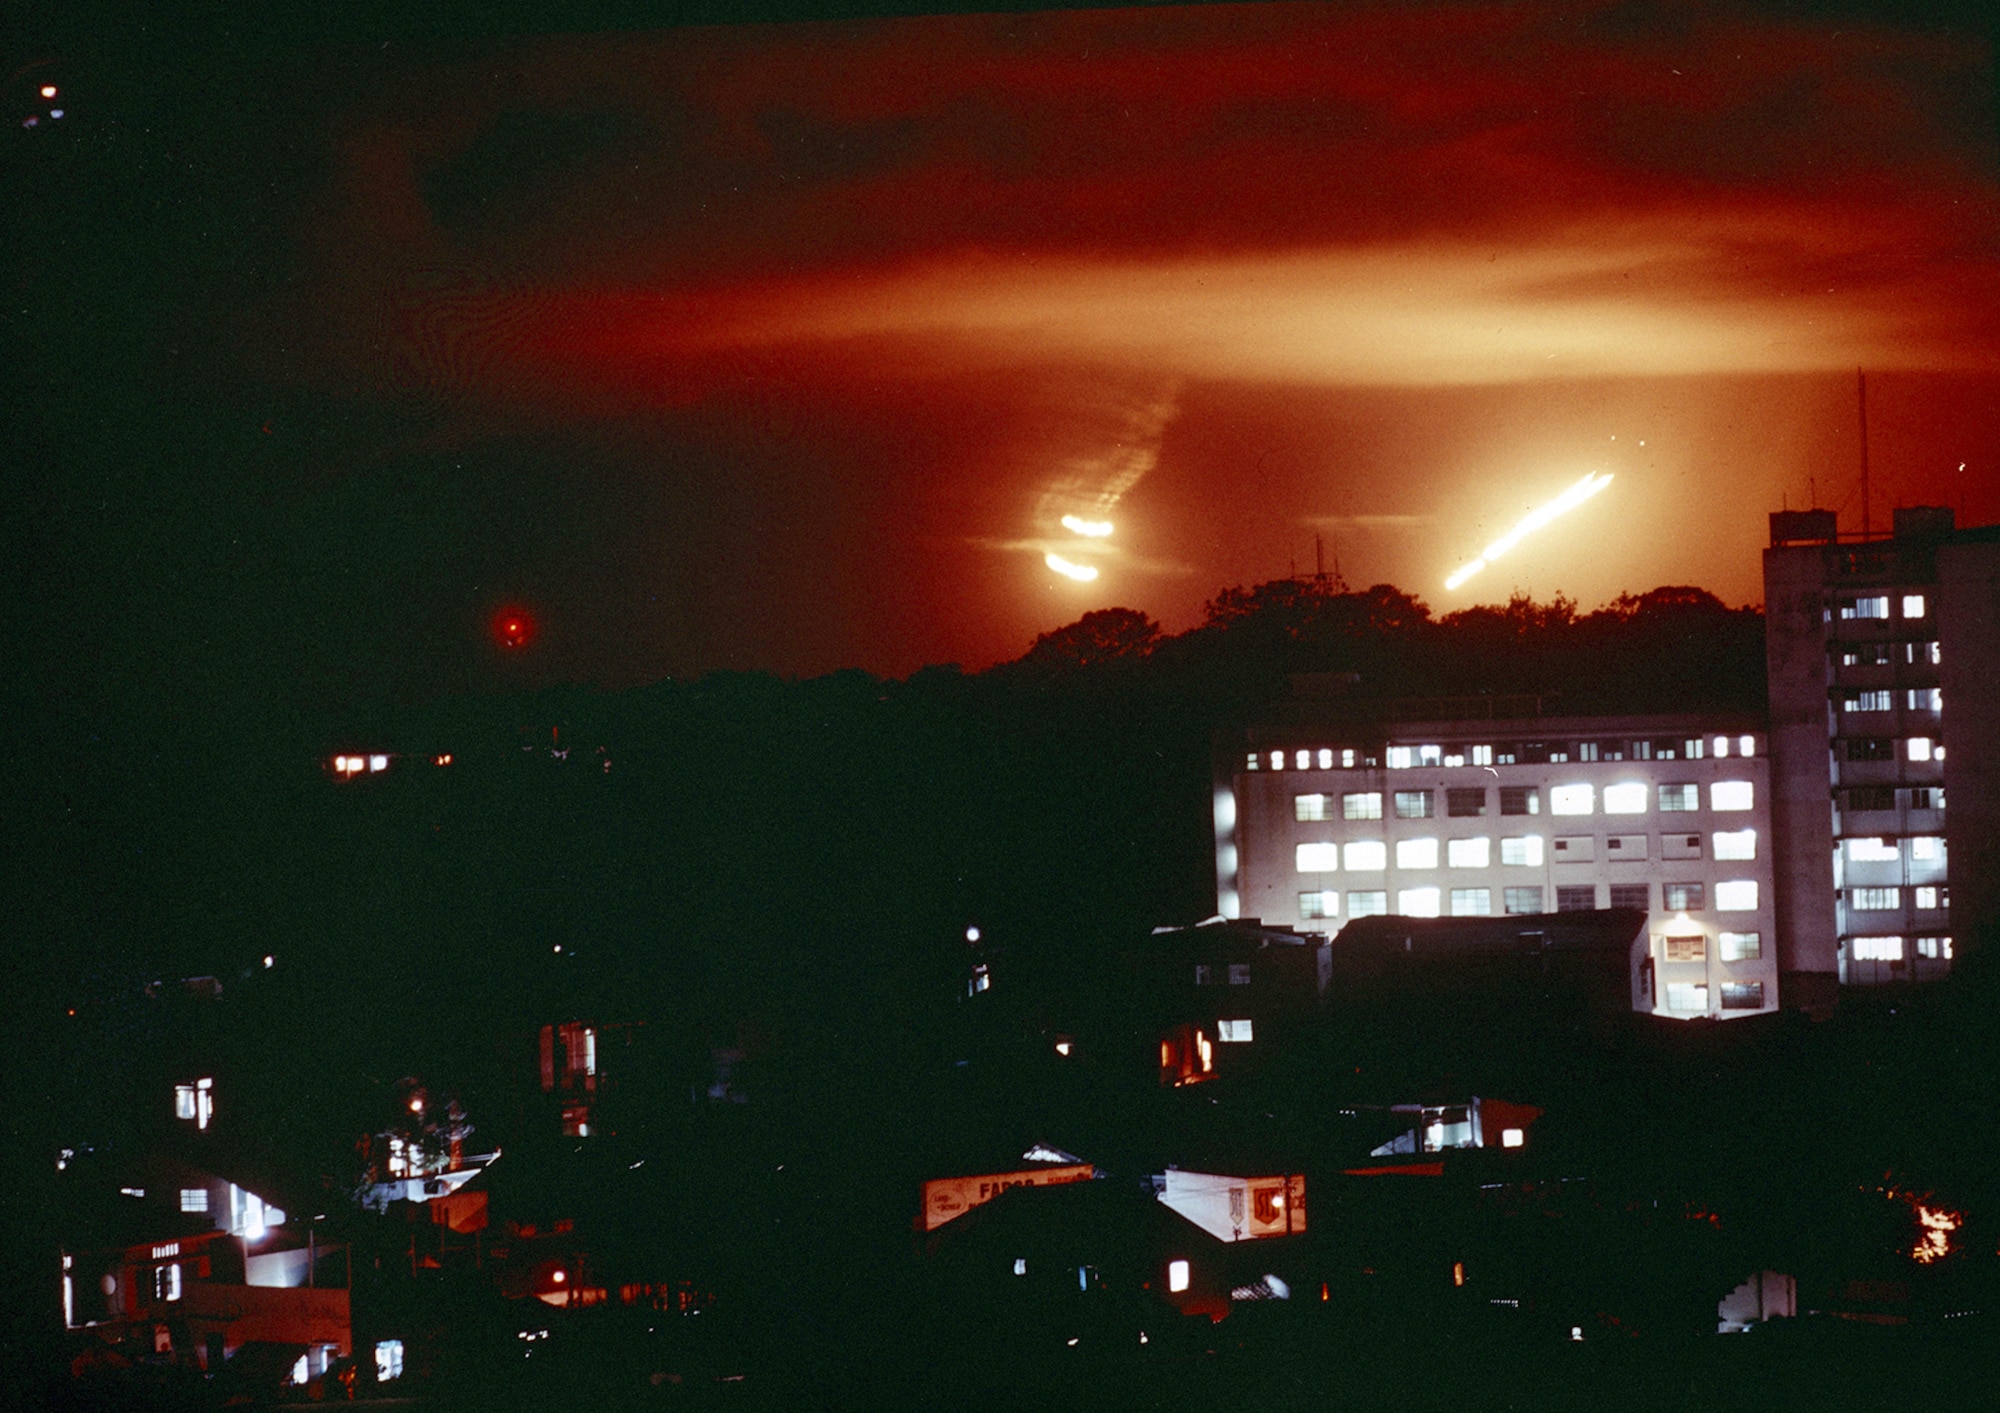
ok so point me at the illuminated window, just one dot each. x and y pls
(1402, 757)
(1926, 897)
(1471, 902)
(1576, 898)
(1366, 855)
(194, 1199)
(1926, 699)
(1721, 747)
(1417, 902)
(1742, 946)
(1925, 847)
(1317, 858)
(1365, 805)
(1520, 799)
(1876, 949)
(1364, 903)
(1736, 895)
(1480, 755)
(1920, 747)
(1239, 973)
(1687, 997)
(1913, 605)
(1465, 804)
(1867, 701)
(1430, 755)
(388, 1360)
(1303, 760)
(1692, 750)
(167, 1282)
(1676, 798)
(1742, 995)
(1310, 809)
(1875, 606)
(1927, 946)
(1234, 1032)
(1177, 1276)
(1413, 804)
(1626, 797)
(1632, 895)
(1325, 759)
(1730, 795)
(1203, 973)
(1875, 900)
(1468, 853)
(1586, 750)
(1416, 853)
(1347, 759)
(1323, 903)
(1736, 845)
(1746, 745)
(1521, 900)
(1684, 949)
(1524, 851)
(184, 1101)
(1573, 799)
(1683, 897)
(1870, 851)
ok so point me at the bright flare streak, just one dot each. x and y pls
(1534, 520)
(1094, 529)
(1082, 573)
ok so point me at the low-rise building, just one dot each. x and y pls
(1488, 809)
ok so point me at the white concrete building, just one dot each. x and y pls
(1317, 824)
(1884, 704)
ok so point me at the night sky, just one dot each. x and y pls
(788, 346)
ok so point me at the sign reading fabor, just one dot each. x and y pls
(946, 1198)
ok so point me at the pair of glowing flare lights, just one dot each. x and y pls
(1089, 530)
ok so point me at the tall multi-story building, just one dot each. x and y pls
(1329, 817)
(1884, 701)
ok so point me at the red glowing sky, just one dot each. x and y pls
(788, 346)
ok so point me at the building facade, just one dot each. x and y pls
(1317, 825)
(1880, 652)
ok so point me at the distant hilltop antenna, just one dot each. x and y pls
(1861, 388)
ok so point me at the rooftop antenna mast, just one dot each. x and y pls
(1861, 385)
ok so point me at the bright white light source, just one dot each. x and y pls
(1534, 520)
(1062, 1047)
(1082, 573)
(1091, 529)
(269, 961)
(972, 934)
(1177, 1276)
(376, 763)
(48, 90)
(1511, 1138)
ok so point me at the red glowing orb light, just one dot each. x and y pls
(513, 628)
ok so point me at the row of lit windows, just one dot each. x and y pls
(1884, 699)
(1924, 848)
(1890, 949)
(1733, 895)
(1877, 606)
(1884, 654)
(1626, 797)
(1883, 797)
(1506, 753)
(1691, 997)
(1730, 947)
(1523, 851)
(1925, 898)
